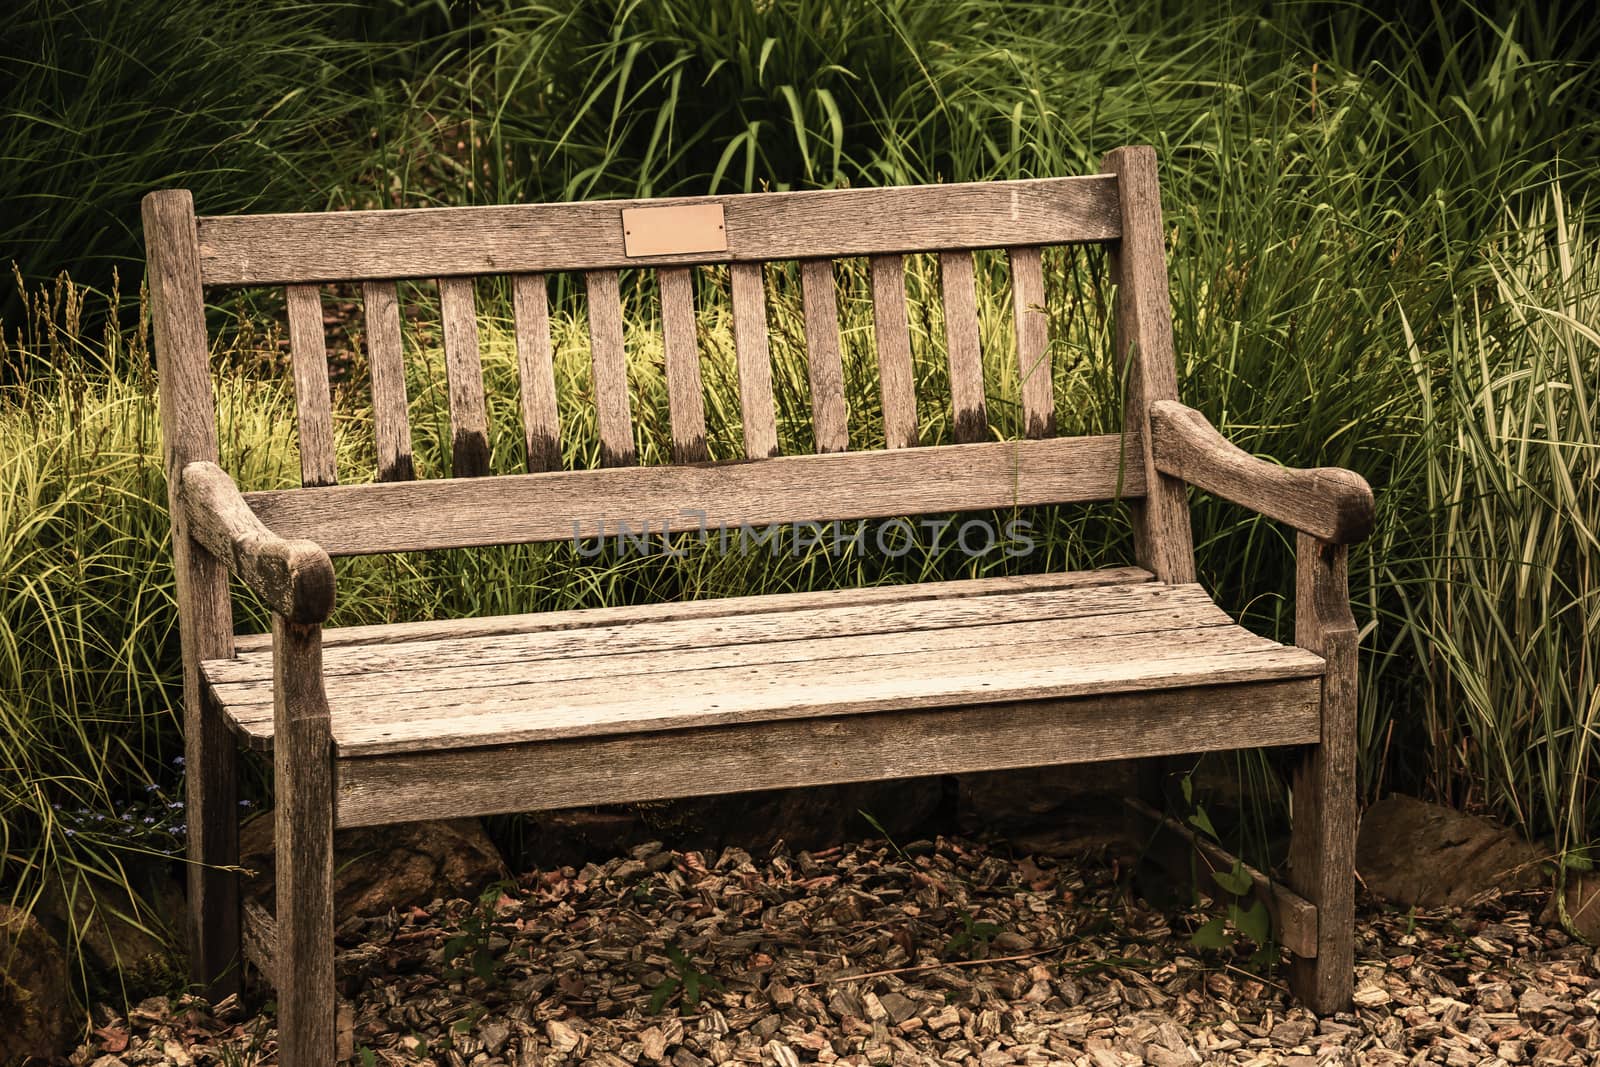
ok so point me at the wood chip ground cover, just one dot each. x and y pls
(950, 952)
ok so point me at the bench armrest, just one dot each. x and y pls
(1329, 503)
(294, 577)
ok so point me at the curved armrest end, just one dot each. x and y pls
(294, 577)
(1330, 503)
(1350, 502)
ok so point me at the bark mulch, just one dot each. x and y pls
(948, 952)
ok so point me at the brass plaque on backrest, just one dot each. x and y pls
(671, 231)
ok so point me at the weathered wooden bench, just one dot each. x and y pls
(381, 724)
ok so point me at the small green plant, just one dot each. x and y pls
(972, 940)
(472, 943)
(687, 979)
(1242, 916)
(873, 822)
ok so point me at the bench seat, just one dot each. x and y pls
(591, 674)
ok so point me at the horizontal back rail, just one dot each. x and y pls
(354, 520)
(588, 236)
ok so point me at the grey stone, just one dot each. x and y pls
(36, 1000)
(1415, 853)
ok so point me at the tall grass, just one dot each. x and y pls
(1372, 265)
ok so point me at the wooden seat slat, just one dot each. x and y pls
(386, 363)
(519, 714)
(1132, 607)
(681, 349)
(578, 695)
(609, 361)
(463, 371)
(308, 352)
(896, 380)
(472, 629)
(352, 520)
(754, 360)
(959, 289)
(421, 673)
(1033, 342)
(541, 423)
(824, 357)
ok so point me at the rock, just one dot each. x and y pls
(1418, 854)
(35, 995)
(133, 943)
(377, 868)
(1580, 899)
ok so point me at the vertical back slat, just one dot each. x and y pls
(824, 359)
(1162, 540)
(755, 361)
(612, 412)
(541, 423)
(961, 335)
(308, 349)
(469, 422)
(386, 359)
(895, 379)
(1033, 342)
(684, 399)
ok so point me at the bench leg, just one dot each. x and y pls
(1323, 841)
(212, 814)
(303, 776)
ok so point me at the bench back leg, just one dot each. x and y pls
(1323, 841)
(303, 778)
(205, 614)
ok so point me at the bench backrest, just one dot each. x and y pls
(1119, 208)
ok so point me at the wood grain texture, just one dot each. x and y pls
(610, 365)
(295, 578)
(1294, 919)
(1124, 607)
(434, 242)
(755, 361)
(259, 939)
(463, 369)
(896, 378)
(958, 288)
(401, 698)
(205, 613)
(605, 706)
(824, 358)
(1322, 843)
(541, 423)
(1033, 342)
(351, 520)
(386, 360)
(419, 709)
(821, 751)
(309, 354)
(1162, 539)
(1329, 503)
(685, 402)
(471, 629)
(302, 771)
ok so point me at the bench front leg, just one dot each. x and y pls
(1323, 840)
(302, 759)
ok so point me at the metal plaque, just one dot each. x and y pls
(671, 231)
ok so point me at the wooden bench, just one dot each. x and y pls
(382, 724)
